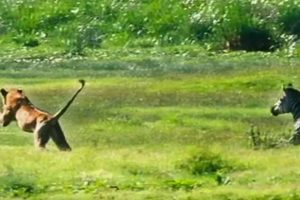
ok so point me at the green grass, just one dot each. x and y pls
(160, 117)
(138, 133)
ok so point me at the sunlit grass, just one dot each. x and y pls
(130, 133)
(147, 113)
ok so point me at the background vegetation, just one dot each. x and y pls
(73, 26)
(170, 110)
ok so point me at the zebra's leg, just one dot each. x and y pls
(295, 139)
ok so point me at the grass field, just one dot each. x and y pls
(150, 126)
(171, 105)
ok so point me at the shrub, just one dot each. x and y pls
(205, 162)
(240, 26)
(18, 184)
(27, 40)
(82, 37)
(290, 17)
(256, 39)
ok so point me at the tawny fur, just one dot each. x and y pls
(17, 107)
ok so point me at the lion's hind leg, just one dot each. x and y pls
(41, 136)
(58, 137)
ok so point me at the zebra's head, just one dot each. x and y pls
(288, 103)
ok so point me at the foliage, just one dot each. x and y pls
(18, 184)
(251, 25)
(263, 140)
(185, 184)
(290, 17)
(205, 162)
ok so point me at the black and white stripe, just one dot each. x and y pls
(289, 103)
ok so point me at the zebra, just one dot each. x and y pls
(290, 103)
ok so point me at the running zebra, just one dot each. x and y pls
(290, 103)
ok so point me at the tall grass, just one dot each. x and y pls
(263, 25)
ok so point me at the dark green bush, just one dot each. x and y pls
(50, 22)
(26, 40)
(290, 17)
(206, 162)
(256, 39)
(18, 185)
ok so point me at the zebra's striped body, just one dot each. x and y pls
(290, 103)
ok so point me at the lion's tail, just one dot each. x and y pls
(64, 109)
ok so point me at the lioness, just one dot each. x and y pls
(17, 107)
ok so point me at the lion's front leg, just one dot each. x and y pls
(2, 122)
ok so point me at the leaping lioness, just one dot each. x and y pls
(17, 107)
